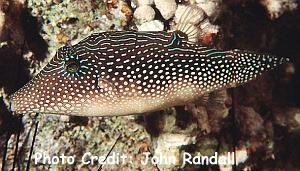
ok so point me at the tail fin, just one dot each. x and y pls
(250, 65)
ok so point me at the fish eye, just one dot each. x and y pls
(72, 66)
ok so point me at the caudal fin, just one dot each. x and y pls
(248, 66)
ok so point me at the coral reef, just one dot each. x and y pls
(260, 120)
(167, 8)
(277, 7)
(211, 7)
(145, 2)
(144, 13)
(154, 25)
(2, 21)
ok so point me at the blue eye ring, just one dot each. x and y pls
(72, 66)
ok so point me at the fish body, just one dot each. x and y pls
(122, 73)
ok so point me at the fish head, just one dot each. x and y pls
(68, 84)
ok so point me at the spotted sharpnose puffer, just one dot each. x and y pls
(122, 73)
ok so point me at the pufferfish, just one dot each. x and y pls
(128, 72)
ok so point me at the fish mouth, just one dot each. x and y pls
(13, 104)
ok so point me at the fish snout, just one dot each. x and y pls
(11, 106)
(22, 100)
(14, 103)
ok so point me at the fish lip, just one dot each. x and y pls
(12, 104)
(11, 107)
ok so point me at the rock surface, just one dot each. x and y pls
(144, 13)
(167, 8)
(277, 7)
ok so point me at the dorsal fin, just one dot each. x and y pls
(176, 39)
(188, 21)
(192, 14)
